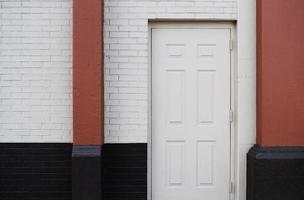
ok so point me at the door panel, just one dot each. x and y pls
(190, 114)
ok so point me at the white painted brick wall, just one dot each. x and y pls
(126, 57)
(35, 71)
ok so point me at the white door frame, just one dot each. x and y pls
(233, 88)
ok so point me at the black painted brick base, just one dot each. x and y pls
(124, 171)
(43, 171)
(35, 171)
(275, 173)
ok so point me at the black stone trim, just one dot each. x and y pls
(86, 150)
(35, 171)
(275, 173)
(276, 152)
(124, 171)
(86, 171)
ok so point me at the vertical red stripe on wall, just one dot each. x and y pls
(88, 71)
(280, 72)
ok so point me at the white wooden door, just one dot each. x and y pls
(190, 114)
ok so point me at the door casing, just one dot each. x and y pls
(167, 24)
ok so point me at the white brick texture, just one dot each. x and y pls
(126, 57)
(35, 71)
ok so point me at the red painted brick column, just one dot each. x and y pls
(88, 72)
(280, 72)
(88, 103)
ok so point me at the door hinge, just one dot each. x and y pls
(231, 187)
(231, 116)
(231, 45)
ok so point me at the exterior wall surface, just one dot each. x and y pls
(280, 100)
(35, 89)
(35, 71)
